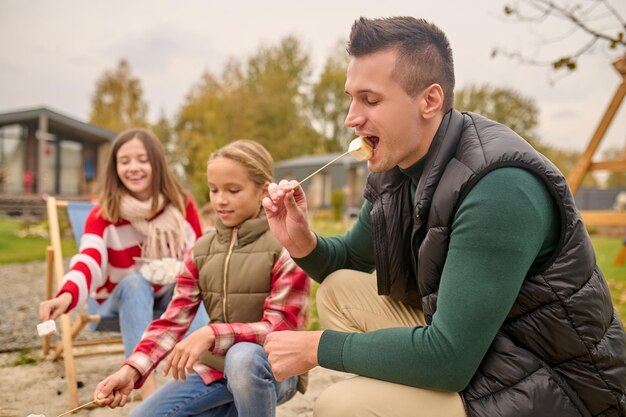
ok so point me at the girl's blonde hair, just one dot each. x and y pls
(252, 156)
(163, 181)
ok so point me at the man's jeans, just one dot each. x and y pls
(248, 389)
(133, 302)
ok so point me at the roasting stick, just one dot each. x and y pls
(310, 175)
(360, 148)
(77, 408)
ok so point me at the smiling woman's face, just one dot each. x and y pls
(134, 169)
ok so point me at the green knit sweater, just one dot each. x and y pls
(507, 223)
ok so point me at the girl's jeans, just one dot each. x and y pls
(133, 302)
(248, 389)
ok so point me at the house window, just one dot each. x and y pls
(71, 167)
(11, 159)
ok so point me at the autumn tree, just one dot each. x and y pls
(202, 127)
(590, 22)
(504, 105)
(118, 103)
(276, 81)
(174, 152)
(261, 98)
(329, 103)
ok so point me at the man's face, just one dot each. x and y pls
(384, 112)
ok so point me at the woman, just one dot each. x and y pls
(142, 213)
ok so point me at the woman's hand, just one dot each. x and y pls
(51, 309)
(188, 351)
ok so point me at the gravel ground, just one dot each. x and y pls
(23, 288)
(40, 388)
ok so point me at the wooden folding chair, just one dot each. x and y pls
(67, 345)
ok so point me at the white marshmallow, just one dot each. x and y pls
(361, 148)
(161, 271)
(36, 415)
(46, 328)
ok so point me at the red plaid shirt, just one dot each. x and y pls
(284, 309)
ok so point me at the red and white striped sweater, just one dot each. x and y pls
(106, 255)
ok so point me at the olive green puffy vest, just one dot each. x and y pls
(235, 266)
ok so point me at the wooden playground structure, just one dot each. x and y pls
(585, 164)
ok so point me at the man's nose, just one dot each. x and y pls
(353, 118)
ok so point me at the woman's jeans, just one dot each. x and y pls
(133, 302)
(248, 389)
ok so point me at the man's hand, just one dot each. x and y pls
(115, 389)
(292, 352)
(188, 351)
(286, 211)
(51, 309)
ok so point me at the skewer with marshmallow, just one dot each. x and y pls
(360, 148)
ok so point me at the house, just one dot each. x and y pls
(598, 199)
(346, 174)
(45, 152)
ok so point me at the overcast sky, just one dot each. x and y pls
(53, 51)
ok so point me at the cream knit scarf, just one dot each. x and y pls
(164, 235)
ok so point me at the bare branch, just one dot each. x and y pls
(598, 20)
(614, 13)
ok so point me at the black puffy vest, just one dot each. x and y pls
(562, 348)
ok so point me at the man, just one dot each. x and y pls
(486, 299)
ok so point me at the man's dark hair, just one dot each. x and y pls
(424, 53)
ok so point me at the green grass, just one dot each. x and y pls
(27, 357)
(606, 249)
(16, 248)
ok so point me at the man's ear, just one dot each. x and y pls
(432, 101)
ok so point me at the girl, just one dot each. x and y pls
(249, 285)
(142, 212)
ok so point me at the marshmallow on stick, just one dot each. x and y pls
(361, 149)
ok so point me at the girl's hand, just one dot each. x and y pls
(188, 351)
(51, 309)
(115, 389)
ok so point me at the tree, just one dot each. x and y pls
(202, 127)
(591, 21)
(504, 105)
(262, 98)
(174, 153)
(117, 104)
(276, 83)
(329, 103)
